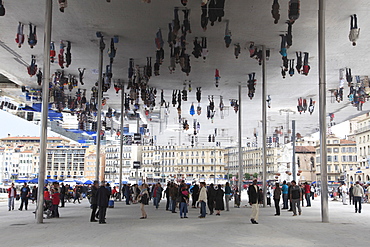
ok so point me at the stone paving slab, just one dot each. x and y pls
(163, 228)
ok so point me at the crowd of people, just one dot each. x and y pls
(179, 197)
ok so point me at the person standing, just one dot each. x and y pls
(144, 199)
(227, 195)
(275, 11)
(12, 192)
(103, 195)
(25, 194)
(167, 195)
(285, 195)
(354, 31)
(358, 193)
(202, 199)
(307, 189)
(219, 199)
(157, 194)
(350, 192)
(253, 195)
(227, 37)
(184, 194)
(194, 195)
(211, 195)
(55, 200)
(344, 194)
(62, 194)
(295, 197)
(277, 194)
(94, 200)
(173, 196)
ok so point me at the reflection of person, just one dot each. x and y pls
(354, 32)
(253, 201)
(275, 11)
(12, 192)
(32, 38)
(19, 38)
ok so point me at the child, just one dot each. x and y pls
(184, 202)
(55, 202)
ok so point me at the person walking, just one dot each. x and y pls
(94, 200)
(157, 194)
(202, 199)
(307, 189)
(253, 201)
(25, 194)
(275, 11)
(227, 195)
(144, 200)
(167, 195)
(295, 197)
(173, 196)
(103, 195)
(350, 193)
(354, 31)
(76, 193)
(358, 193)
(12, 193)
(285, 194)
(277, 194)
(219, 199)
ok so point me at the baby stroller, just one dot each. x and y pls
(47, 209)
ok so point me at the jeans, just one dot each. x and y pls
(156, 202)
(127, 199)
(173, 205)
(308, 199)
(285, 201)
(25, 201)
(62, 200)
(55, 211)
(277, 206)
(203, 209)
(357, 199)
(11, 203)
(227, 200)
(93, 212)
(183, 208)
(296, 204)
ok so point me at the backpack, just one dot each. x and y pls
(144, 199)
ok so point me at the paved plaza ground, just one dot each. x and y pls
(163, 228)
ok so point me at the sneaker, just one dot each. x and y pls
(300, 213)
(294, 214)
(185, 217)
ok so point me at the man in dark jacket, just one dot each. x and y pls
(25, 194)
(195, 195)
(102, 195)
(62, 194)
(173, 196)
(211, 195)
(253, 201)
(93, 201)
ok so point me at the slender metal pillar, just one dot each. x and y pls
(99, 102)
(228, 165)
(322, 114)
(264, 126)
(45, 108)
(294, 169)
(121, 139)
(240, 177)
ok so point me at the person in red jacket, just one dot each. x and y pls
(307, 189)
(12, 192)
(55, 199)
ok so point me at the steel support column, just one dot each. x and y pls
(322, 114)
(45, 108)
(264, 126)
(240, 177)
(121, 139)
(99, 102)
